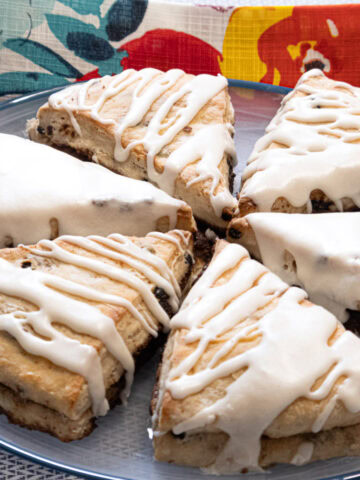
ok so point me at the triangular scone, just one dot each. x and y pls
(253, 373)
(309, 158)
(172, 129)
(45, 193)
(318, 252)
(74, 315)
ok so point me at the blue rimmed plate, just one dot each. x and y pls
(120, 447)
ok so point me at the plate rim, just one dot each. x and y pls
(92, 474)
(27, 97)
(71, 469)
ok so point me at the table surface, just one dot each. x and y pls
(13, 467)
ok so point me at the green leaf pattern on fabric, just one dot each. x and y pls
(24, 82)
(87, 37)
(83, 7)
(43, 56)
(61, 26)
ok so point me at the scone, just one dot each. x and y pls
(74, 315)
(172, 129)
(45, 193)
(317, 252)
(254, 374)
(309, 158)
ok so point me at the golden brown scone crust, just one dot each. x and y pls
(240, 231)
(97, 141)
(184, 221)
(38, 381)
(320, 202)
(297, 419)
(201, 450)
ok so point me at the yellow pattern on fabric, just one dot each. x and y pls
(240, 47)
(295, 50)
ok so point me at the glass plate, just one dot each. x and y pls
(120, 448)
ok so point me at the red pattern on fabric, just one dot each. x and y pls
(165, 49)
(89, 76)
(313, 24)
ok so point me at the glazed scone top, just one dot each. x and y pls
(326, 251)
(207, 146)
(318, 131)
(243, 326)
(38, 182)
(73, 304)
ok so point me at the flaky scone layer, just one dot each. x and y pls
(201, 450)
(307, 161)
(232, 377)
(97, 140)
(26, 377)
(46, 193)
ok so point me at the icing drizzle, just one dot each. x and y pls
(320, 132)
(326, 251)
(268, 375)
(207, 146)
(54, 298)
(171, 238)
(303, 454)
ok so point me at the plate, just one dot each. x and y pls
(120, 448)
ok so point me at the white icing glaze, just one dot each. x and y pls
(51, 294)
(322, 148)
(207, 145)
(277, 370)
(38, 183)
(304, 454)
(326, 249)
(182, 235)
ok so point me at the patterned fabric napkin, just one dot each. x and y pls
(46, 43)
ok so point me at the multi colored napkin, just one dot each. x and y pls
(46, 43)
